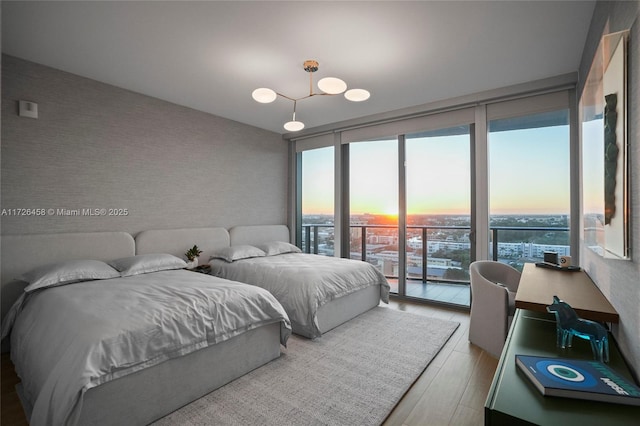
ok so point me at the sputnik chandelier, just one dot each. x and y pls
(329, 85)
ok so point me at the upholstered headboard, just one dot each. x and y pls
(256, 234)
(22, 253)
(178, 241)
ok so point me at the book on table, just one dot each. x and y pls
(580, 379)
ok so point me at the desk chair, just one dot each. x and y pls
(493, 290)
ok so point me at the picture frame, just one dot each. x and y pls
(605, 163)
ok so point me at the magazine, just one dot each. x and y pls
(581, 379)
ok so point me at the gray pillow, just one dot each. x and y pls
(146, 263)
(237, 252)
(67, 272)
(272, 248)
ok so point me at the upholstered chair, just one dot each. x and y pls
(493, 290)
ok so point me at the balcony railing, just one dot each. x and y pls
(311, 238)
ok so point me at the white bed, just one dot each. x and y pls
(150, 393)
(355, 286)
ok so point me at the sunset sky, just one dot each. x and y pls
(528, 174)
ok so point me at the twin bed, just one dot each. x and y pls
(130, 346)
(318, 292)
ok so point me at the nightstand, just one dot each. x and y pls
(203, 269)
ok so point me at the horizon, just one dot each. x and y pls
(442, 214)
(524, 178)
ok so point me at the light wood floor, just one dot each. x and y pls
(451, 391)
(453, 388)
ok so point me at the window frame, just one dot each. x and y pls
(474, 110)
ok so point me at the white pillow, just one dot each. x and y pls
(67, 272)
(145, 263)
(237, 252)
(272, 248)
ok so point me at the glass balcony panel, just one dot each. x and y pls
(452, 288)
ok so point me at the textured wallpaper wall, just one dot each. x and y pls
(101, 158)
(619, 280)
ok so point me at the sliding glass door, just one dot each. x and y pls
(373, 205)
(438, 197)
(423, 196)
(317, 200)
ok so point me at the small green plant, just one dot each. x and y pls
(192, 253)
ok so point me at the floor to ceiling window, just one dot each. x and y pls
(529, 187)
(317, 200)
(373, 204)
(438, 188)
(490, 181)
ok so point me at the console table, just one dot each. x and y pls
(538, 286)
(513, 400)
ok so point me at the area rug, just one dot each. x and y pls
(353, 375)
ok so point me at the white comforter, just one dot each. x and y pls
(303, 282)
(68, 339)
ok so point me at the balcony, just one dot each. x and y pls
(437, 257)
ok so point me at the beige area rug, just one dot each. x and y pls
(353, 375)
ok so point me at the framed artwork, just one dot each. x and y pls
(605, 164)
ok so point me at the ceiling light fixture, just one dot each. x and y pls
(329, 85)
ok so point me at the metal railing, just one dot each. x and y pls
(311, 230)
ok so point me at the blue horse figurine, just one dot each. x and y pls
(568, 324)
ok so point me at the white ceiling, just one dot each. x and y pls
(211, 55)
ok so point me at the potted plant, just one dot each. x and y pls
(192, 255)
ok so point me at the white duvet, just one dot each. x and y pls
(303, 282)
(71, 338)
